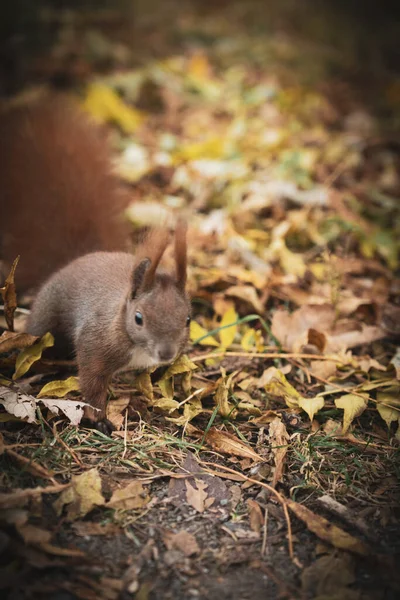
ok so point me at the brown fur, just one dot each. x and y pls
(92, 303)
(58, 196)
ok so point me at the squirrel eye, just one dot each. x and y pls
(188, 321)
(138, 318)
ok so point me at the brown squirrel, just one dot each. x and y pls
(59, 201)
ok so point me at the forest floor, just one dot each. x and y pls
(265, 462)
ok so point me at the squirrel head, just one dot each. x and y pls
(158, 310)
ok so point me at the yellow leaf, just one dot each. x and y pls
(144, 385)
(228, 335)
(311, 405)
(197, 332)
(252, 340)
(83, 495)
(353, 406)
(105, 105)
(190, 411)
(27, 357)
(212, 148)
(280, 387)
(182, 365)
(225, 409)
(59, 388)
(199, 67)
(389, 410)
(167, 387)
(291, 262)
(168, 404)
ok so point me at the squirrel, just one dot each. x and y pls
(59, 198)
(113, 309)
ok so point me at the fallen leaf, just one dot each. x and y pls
(30, 355)
(311, 405)
(255, 515)
(247, 294)
(182, 365)
(10, 340)
(196, 496)
(131, 497)
(229, 320)
(278, 438)
(60, 388)
(19, 405)
(388, 407)
(353, 406)
(227, 443)
(199, 335)
(115, 411)
(105, 105)
(183, 541)
(82, 496)
(327, 531)
(279, 387)
(144, 385)
(10, 296)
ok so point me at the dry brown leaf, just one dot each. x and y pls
(131, 497)
(327, 531)
(278, 437)
(323, 368)
(292, 329)
(10, 340)
(197, 497)
(247, 294)
(227, 443)
(183, 541)
(315, 325)
(115, 411)
(255, 515)
(10, 296)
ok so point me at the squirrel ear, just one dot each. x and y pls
(180, 254)
(139, 275)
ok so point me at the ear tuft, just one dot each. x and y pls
(139, 274)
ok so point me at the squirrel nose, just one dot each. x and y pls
(166, 353)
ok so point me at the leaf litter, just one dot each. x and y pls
(289, 390)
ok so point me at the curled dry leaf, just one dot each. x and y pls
(278, 437)
(10, 340)
(255, 515)
(327, 531)
(82, 496)
(227, 443)
(353, 406)
(182, 365)
(115, 411)
(32, 354)
(10, 296)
